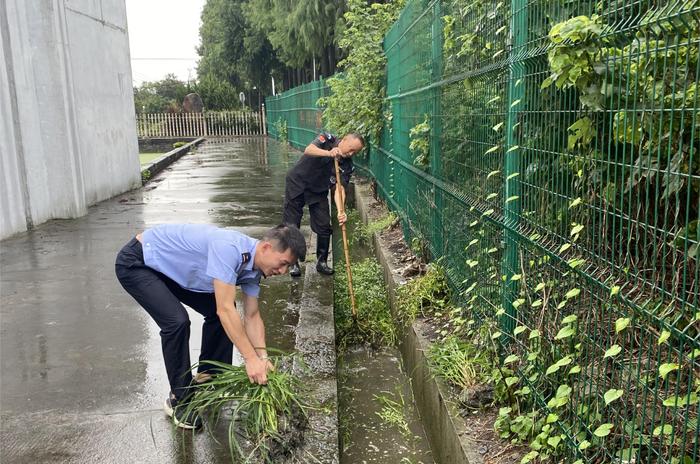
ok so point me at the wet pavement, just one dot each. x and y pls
(82, 378)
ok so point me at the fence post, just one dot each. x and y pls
(511, 154)
(436, 129)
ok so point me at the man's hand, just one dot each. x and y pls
(256, 369)
(342, 218)
(335, 152)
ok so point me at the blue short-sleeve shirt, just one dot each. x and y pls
(193, 255)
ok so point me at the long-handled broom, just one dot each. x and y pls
(345, 246)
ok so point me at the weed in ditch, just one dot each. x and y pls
(373, 324)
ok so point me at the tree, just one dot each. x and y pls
(160, 96)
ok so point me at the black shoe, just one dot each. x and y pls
(181, 417)
(294, 270)
(323, 268)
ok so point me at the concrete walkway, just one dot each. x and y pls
(82, 378)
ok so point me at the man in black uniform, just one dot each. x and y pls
(309, 181)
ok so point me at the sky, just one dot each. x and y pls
(163, 36)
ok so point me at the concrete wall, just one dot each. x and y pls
(68, 128)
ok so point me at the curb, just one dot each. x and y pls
(443, 425)
(159, 164)
(315, 342)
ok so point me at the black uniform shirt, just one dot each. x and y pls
(317, 173)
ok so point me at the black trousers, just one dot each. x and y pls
(294, 202)
(162, 299)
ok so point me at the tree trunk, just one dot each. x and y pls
(324, 63)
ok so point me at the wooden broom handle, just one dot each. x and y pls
(345, 243)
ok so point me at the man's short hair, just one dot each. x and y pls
(357, 136)
(287, 237)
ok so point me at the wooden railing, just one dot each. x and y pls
(207, 124)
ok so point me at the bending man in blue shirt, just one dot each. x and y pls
(200, 265)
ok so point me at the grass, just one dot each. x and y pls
(146, 158)
(374, 324)
(424, 295)
(364, 232)
(261, 413)
(393, 411)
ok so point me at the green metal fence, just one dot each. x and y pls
(294, 115)
(546, 152)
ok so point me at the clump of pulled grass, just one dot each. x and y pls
(263, 417)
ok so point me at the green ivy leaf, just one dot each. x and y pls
(554, 441)
(614, 290)
(537, 303)
(582, 446)
(574, 292)
(564, 247)
(613, 351)
(681, 401)
(491, 174)
(552, 369)
(575, 203)
(515, 277)
(576, 229)
(495, 335)
(665, 334)
(612, 395)
(519, 329)
(571, 318)
(534, 334)
(621, 324)
(513, 198)
(539, 287)
(510, 359)
(667, 368)
(491, 195)
(498, 126)
(492, 149)
(667, 429)
(603, 430)
(529, 457)
(575, 370)
(510, 381)
(565, 332)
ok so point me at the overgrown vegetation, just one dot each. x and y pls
(281, 130)
(362, 233)
(426, 295)
(261, 414)
(374, 324)
(355, 103)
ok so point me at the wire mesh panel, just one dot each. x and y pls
(546, 153)
(551, 164)
(294, 115)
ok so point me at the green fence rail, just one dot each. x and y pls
(547, 153)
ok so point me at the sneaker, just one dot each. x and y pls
(295, 270)
(181, 417)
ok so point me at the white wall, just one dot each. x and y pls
(68, 129)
